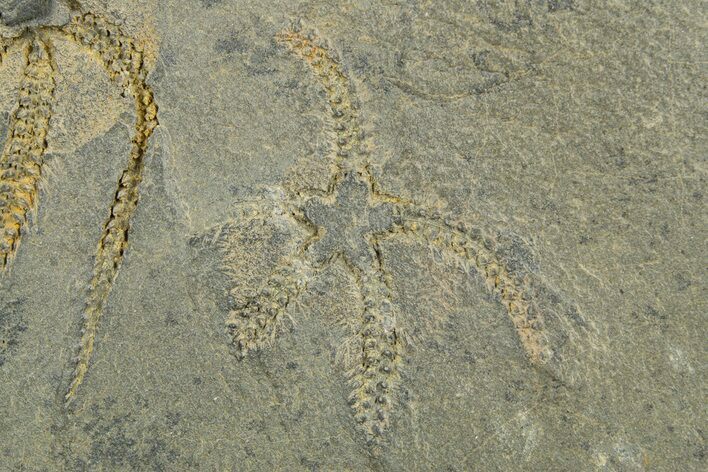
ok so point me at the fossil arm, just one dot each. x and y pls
(256, 319)
(123, 60)
(467, 245)
(23, 156)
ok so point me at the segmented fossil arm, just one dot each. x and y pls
(23, 156)
(123, 60)
(256, 319)
(514, 293)
(376, 376)
(325, 65)
(120, 55)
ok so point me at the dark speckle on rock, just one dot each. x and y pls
(233, 43)
(557, 5)
(11, 328)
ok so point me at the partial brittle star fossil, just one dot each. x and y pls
(347, 223)
(22, 161)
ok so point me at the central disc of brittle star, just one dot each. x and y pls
(348, 222)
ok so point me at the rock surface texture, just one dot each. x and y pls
(15, 12)
(386, 236)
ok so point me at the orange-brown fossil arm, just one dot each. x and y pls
(23, 156)
(123, 61)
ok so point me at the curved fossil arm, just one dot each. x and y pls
(257, 311)
(323, 62)
(514, 293)
(23, 156)
(123, 60)
(256, 319)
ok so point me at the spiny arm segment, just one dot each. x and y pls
(119, 54)
(376, 375)
(256, 318)
(324, 64)
(123, 60)
(23, 157)
(514, 293)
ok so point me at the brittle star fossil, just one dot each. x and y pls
(22, 161)
(348, 222)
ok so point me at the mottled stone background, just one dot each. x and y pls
(574, 129)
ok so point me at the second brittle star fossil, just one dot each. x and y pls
(348, 222)
(22, 161)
